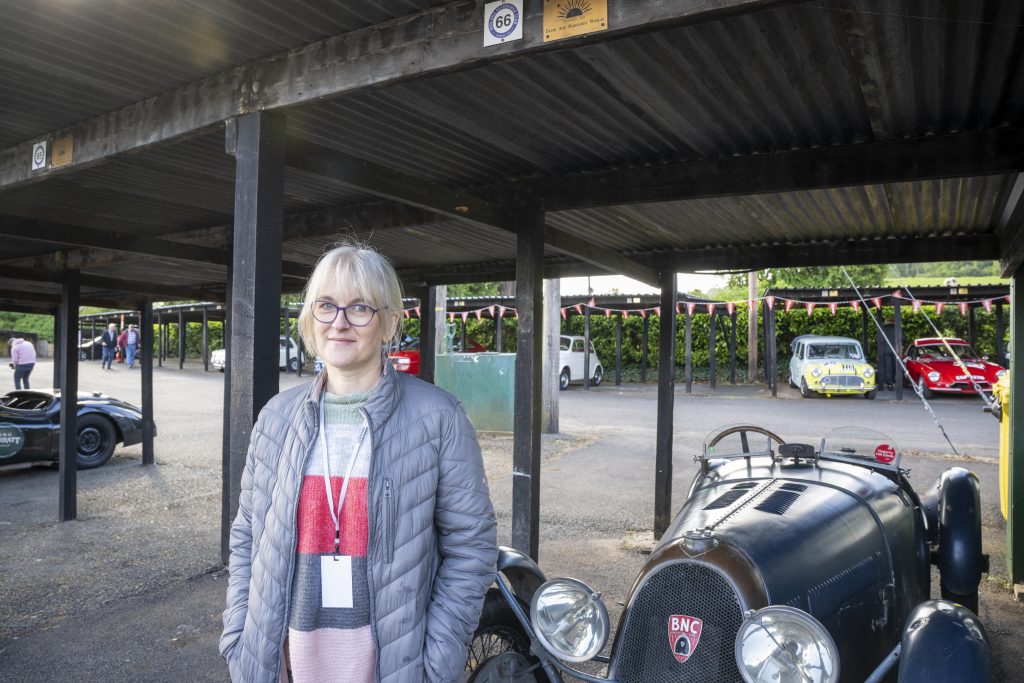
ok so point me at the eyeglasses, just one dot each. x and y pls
(357, 315)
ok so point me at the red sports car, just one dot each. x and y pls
(407, 357)
(933, 368)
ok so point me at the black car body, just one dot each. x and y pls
(30, 427)
(830, 543)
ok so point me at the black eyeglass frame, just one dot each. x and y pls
(344, 310)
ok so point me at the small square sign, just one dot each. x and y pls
(39, 155)
(503, 22)
(63, 152)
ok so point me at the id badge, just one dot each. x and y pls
(336, 581)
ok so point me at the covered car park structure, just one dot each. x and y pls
(175, 151)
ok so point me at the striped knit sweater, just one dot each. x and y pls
(333, 644)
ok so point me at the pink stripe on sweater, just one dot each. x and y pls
(330, 654)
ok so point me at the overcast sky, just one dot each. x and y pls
(604, 284)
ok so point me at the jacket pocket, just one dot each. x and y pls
(390, 518)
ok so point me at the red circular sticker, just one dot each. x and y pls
(885, 453)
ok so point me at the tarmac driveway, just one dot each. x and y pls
(133, 589)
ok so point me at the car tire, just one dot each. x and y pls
(870, 395)
(925, 391)
(96, 440)
(598, 376)
(564, 379)
(805, 391)
(293, 364)
(498, 632)
(791, 382)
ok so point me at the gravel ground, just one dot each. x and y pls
(144, 554)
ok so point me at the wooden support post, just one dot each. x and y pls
(767, 346)
(92, 347)
(618, 349)
(145, 360)
(181, 340)
(430, 310)
(666, 404)
(226, 513)
(732, 348)
(1000, 334)
(643, 349)
(58, 356)
(287, 338)
(972, 338)
(897, 320)
(499, 330)
(712, 368)
(68, 352)
(160, 339)
(551, 366)
(688, 367)
(864, 331)
(206, 340)
(751, 328)
(462, 333)
(258, 144)
(527, 412)
(587, 372)
(771, 352)
(1015, 479)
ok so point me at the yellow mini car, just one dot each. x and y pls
(830, 366)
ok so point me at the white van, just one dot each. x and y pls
(218, 358)
(570, 357)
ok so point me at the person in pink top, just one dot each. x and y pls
(23, 359)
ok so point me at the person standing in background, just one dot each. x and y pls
(23, 359)
(122, 345)
(108, 341)
(131, 344)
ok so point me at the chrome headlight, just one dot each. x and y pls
(570, 620)
(779, 644)
(869, 372)
(1000, 374)
(933, 376)
(815, 372)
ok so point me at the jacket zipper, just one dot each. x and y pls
(370, 545)
(295, 546)
(389, 518)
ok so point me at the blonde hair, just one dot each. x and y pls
(372, 277)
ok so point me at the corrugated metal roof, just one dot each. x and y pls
(798, 76)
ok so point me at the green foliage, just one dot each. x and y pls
(475, 289)
(41, 325)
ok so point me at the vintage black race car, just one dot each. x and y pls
(787, 562)
(30, 427)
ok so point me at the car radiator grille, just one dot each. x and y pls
(842, 381)
(644, 652)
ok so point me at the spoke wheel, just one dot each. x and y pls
(499, 632)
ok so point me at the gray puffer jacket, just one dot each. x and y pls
(432, 543)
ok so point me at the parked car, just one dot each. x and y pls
(571, 357)
(830, 366)
(934, 369)
(293, 360)
(30, 427)
(407, 357)
(85, 348)
(787, 562)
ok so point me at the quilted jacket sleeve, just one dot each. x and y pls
(239, 564)
(467, 545)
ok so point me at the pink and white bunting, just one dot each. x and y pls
(770, 300)
(987, 305)
(832, 306)
(711, 307)
(730, 306)
(938, 307)
(789, 304)
(916, 305)
(963, 307)
(855, 305)
(809, 305)
(877, 301)
(690, 305)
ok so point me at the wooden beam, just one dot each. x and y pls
(435, 41)
(134, 287)
(598, 256)
(841, 252)
(395, 185)
(969, 153)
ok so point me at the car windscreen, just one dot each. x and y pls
(939, 352)
(834, 350)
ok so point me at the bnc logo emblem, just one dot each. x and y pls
(683, 635)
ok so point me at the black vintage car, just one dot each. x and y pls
(787, 562)
(30, 427)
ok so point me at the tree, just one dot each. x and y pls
(474, 289)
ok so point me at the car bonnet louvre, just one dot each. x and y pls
(778, 502)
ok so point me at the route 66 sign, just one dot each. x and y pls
(503, 22)
(39, 155)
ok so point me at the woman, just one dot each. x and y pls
(387, 581)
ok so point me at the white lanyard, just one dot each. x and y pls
(327, 476)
